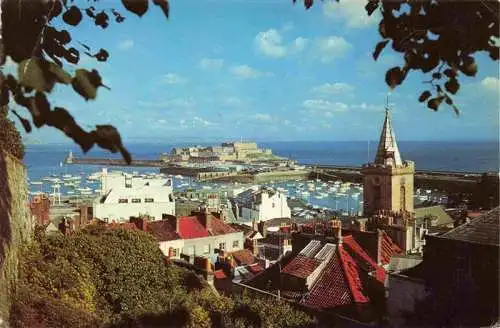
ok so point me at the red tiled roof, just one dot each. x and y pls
(162, 230)
(126, 226)
(351, 271)
(331, 289)
(255, 268)
(243, 257)
(221, 228)
(190, 227)
(301, 266)
(388, 249)
(360, 253)
(219, 274)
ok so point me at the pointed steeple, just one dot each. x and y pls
(387, 151)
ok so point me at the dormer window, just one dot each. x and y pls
(122, 200)
(149, 200)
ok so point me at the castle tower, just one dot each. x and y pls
(388, 181)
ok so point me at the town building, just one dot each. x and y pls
(456, 284)
(200, 234)
(331, 273)
(388, 181)
(40, 209)
(124, 195)
(260, 204)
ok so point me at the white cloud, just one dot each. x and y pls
(262, 117)
(161, 121)
(287, 26)
(232, 101)
(198, 121)
(333, 88)
(127, 44)
(169, 103)
(352, 13)
(270, 43)
(247, 72)
(332, 47)
(326, 107)
(211, 63)
(171, 78)
(299, 44)
(491, 83)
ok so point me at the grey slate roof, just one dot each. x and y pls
(482, 230)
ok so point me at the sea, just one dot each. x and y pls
(43, 160)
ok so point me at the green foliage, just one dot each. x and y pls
(438, 38)
(10, 138)
(118, 278)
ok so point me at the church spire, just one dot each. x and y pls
(387, 151)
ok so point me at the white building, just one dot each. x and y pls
(260, 204)
(123, 196)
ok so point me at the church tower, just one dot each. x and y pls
(388, 181)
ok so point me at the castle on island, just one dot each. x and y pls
(227, 151)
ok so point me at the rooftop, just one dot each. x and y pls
(482, 230)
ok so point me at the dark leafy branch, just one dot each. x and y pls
(438, 38)
(43, 54)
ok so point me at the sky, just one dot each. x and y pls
(265, 70)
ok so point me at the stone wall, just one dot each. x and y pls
(16, 226)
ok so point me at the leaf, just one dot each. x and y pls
(378, 48)
(72, 16)
(26, 124)
(436, 75)
(394, 77)
(424, 96)
(448, 100)
(60, 74)
(56, 9)
(32, 73)
(39, 108)
(470, 69)
(101, 19)
(102, 55)
(163, 4)
(371, 6)
(433, 104)
(138, 7)
(61, 119)
(450, 72)
(107, 137)
(456, 110)
(308, 3)
(83, 85)
(452, 86)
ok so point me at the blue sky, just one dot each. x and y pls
(264, 70)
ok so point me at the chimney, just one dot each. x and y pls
(380, 236)
(337, 229)
(140, 222)
(205, 218)
(172, 220)
(262, 226)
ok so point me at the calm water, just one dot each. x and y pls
(44, 160)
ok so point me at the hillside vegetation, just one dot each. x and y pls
(119, 278)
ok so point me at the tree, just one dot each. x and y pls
(439, 38)
(44, 54)
(10, 138)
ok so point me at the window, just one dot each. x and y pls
(171, 198)
(206, 249)
(274, 205)
(149, 200)
(236, 244)
(222, 246)
(122, 200)
(136, 200)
